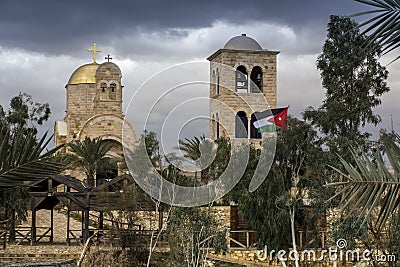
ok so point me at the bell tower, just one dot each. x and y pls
(108, 97)
(243, 80)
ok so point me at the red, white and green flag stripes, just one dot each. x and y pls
(268, 120)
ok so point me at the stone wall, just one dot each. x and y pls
(250, 258)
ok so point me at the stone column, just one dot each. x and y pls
(248, 127)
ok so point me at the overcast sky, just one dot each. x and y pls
(43, 41)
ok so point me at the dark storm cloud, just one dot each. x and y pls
(60, 27)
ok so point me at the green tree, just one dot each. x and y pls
(23, 157)
(201, 151)
(383, 28)
(278, 203)
(152, 147)
(89, 154)
(354, 81)
(189, 231)
(25, 114)
(375, 191)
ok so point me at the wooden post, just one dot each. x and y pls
(86, 226)
(51, 225)
(301, 239)
(33, 226)
(160, 219)
(5, 239)
(101, 220)
(68, 214)
(83, 218)
(12, 227)
(247, 239)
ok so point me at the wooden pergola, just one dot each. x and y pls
(78, 196)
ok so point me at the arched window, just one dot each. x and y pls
(253, 130)
(213, 83)
(103, 87)
(113, 89)
(214, 126)
(217, 82)
(241, 125)
(241, 79)
(217, 127)
(256, 77)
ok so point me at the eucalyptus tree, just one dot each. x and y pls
(354, 81)
(24, 158)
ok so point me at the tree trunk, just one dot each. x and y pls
(294, 236)
(292, 222)
(90, 180)
(12, 227)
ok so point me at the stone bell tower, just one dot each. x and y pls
(243, 80)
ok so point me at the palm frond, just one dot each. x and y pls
(22, 158)
(382, 28)
(88, 154)
(369, 185)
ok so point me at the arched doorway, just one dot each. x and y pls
(106, 172)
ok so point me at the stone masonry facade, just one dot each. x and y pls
(225, 101)
(94, 108)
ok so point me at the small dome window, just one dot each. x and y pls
(103, 87)
(113, 87)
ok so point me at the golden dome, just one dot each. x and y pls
(84, 74)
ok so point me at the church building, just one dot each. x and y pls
(94, 105)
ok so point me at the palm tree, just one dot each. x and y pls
(201, 151)
(89, 154)
(370, 185)
(23, 158)
(383, 28)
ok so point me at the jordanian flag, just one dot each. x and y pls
(270, 118)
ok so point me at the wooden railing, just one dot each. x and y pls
(235, 239)
(25, 233)
(109, 235)
(245, 239)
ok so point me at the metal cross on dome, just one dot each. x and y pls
(108, 58)
(95, 51)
